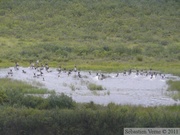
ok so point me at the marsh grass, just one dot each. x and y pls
(72, 86)
(36, 83)
(176, 96)
(14, 85)
(93, 86)
(174, 86)
(36, 91)
(95, 93)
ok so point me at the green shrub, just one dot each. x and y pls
(3, 97)
(14, 97)
(34, 102)
(91, 120)
(139, 58)
(60, 101)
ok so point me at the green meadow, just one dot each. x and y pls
(106, 35)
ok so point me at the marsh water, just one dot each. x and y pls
(124, 89)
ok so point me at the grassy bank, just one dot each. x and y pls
(107, 65)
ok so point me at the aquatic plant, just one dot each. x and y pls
(108, 92)
(95, 93)
(72, 86)
(93, 86)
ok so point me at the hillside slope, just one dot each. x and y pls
(81, 29)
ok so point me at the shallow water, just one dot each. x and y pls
(124, 89)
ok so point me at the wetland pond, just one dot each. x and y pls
(123, 89)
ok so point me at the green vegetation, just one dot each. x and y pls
(108, 35)
(17, 93)
(9, 85)
(23, 114)
(107, 121)
(3, 97)
(91, 32)
(174, 86)
(92, 86)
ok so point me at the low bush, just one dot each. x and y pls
(3, 97)
(100, 120)
(139, 58)
(17, 93)
(60, 101)
(34, 102)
